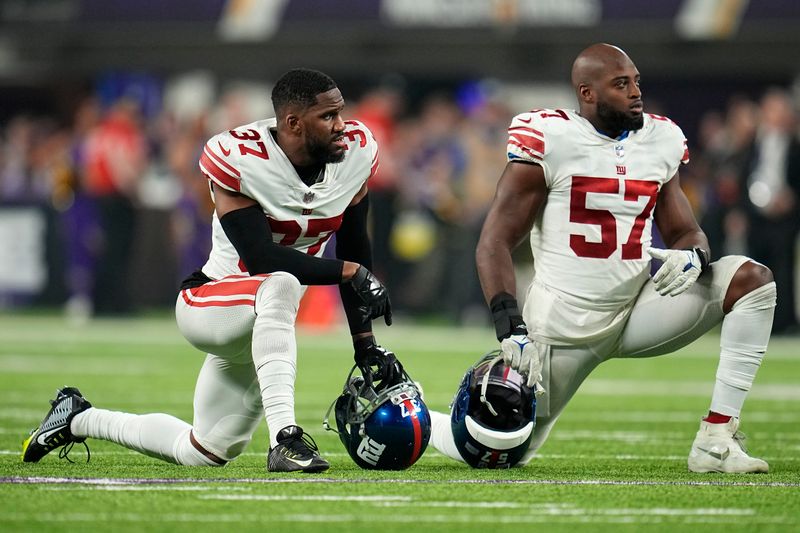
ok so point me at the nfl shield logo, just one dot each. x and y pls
(308, 197)
(619, 150)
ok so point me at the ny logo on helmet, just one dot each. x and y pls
(370, 451)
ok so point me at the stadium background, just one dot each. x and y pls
(146, 82)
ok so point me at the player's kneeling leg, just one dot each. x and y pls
(275, 358)
(275, 348)
(718, 447)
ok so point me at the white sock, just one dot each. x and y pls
(275, 349)
(442, 436)
(157, 435)
(745, 335)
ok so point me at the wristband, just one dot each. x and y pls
(703, 255)
(362, 343)
(506, 316)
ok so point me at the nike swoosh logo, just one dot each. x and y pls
(525, 121)
(301, 463)
(225, 152)
(719, 456)
(42, 438)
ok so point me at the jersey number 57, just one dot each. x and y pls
(579, 213)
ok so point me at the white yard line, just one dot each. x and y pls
(318, 498)
(582, 516)
(35, 480)
(552, 508)
(434, 453)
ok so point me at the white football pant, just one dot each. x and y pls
(246, 326)
(658, 325)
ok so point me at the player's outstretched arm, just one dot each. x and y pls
(520, 194)
(675, 219)
(364, 298)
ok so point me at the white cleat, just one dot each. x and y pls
(720, 448)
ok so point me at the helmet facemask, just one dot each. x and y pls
(382, 427)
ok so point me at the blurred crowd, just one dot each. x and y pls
(744, 180)
(112, 171)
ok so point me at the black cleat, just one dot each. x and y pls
(296, 452)
(54, 430)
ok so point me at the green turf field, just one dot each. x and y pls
(615, 461)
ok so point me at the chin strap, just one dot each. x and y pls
(485, 384)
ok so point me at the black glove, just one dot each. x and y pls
(377, 364)
(373, 295)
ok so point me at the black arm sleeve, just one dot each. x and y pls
(352, 244)
(249, 232)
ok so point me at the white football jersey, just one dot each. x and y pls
(590, 238)
(249, 161)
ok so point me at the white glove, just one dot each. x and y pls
(526, 357)
(680, 270)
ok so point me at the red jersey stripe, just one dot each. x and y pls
(215, 303)
(525, 128)
(528, 141)
(525, 149)
(228, 287)
(375, 165)
(220, 160)
(217, 175)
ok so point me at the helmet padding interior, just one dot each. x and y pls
(507, 393)
(512, 413)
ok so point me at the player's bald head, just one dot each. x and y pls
(596, 61)
(606, 83)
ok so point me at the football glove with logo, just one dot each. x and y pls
(518, 350)
(373, 294)
(680, 270)
(526, 356)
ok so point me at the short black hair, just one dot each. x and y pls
(300, 86)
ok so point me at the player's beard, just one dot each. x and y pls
(321, 151)
(614, 120)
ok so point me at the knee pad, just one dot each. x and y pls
(761, 298)
(280, 291)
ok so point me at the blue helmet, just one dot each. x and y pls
(381, 428)
(493, 414)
